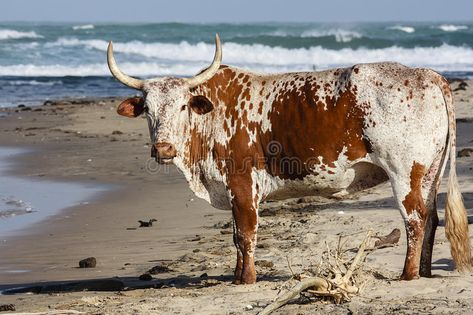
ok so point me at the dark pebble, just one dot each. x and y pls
(159, 269)
(465, 152)
(146, 277)
(90, 262)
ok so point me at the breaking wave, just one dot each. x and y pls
(341, 35)
(452, 28)
(12, 34)
(405, 29)
(83, 27)
(186, 59)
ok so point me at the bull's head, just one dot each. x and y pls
(167, 103)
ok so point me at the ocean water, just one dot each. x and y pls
(25, 201)
(41, 61)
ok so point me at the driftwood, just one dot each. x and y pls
(388, 240)
(341, 287)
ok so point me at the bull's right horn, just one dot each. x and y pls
(211, 70)
(118, 74)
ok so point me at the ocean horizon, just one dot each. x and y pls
(47, 61)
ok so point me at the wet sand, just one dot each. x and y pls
(88, 142)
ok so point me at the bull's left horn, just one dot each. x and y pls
(118, 74)
(212, 69)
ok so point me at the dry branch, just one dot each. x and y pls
(340, 288)
(388, 240)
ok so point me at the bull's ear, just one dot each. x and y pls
(131, 107)
(200, 104)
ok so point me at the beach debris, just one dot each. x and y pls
(117, 132)
(335, 279)
(461, 86)
(264, 263)
(147, 223)
(146, 277)
(89, 262)
(161, 268)
(210, 282)
(465, 153)
(388, 240)
(7, 307)
(195, 239)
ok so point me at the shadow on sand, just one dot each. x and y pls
(122, 284)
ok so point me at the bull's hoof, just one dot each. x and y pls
(245, 279)
(425, 273)
(242, 281)
(409, 276)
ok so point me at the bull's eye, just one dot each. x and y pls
(183, 107)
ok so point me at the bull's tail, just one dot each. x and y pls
(456, 220)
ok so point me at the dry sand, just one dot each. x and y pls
(191, 242)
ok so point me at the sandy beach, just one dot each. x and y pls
(191, 244)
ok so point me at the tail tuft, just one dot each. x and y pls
(456, 220)
(456, 226)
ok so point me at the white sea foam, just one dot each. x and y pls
(186, 59)
(13, 34)
(406, 29)
(452, 28)
(83, 27)
(341, 35)
(34, 82)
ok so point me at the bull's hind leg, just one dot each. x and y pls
(431, 223)
(430, 185)
(408, 194)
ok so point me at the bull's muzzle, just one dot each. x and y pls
(163, 152)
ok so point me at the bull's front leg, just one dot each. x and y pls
(245, 216)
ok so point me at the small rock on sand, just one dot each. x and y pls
(264, 263)
(146, 277)
(7, 307)
(162, 268)
(89, 262)
(465, 152)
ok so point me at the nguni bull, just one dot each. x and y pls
(240, 137)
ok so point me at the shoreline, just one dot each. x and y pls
(193, 240)
(30, 201)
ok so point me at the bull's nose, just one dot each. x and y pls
(165, 150)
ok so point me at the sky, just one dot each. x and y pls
(132, 11)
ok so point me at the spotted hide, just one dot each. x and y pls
(240, 137)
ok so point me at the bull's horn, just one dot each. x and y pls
(212, 69)
(118, 74)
